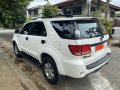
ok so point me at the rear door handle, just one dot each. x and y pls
(43, 41)
(26, 38)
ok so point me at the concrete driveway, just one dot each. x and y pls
(108, 78)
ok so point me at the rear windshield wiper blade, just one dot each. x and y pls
(102, 35)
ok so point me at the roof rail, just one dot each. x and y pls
(36, 18)
(65, 15)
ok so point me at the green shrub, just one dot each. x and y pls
(49, 11)
(28, 19)
(108, 25)
(1, 26)
(95, 14)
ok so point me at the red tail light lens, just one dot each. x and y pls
(75, 49)
(79, 50)
(86, 49)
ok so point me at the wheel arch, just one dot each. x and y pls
(14, 42)
(56, 59)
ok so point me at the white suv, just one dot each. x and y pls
(70, 46)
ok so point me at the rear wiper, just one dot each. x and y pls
(102, 36)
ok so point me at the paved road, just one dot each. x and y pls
(108, 78)
(7, 35)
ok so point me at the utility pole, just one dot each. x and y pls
(88, 2)
(99, 6)
(107, 9)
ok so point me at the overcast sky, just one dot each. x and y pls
(41, 2)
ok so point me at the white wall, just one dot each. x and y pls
(39, 12)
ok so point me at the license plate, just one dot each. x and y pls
(99, 47)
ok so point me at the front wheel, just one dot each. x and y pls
(50, 70)
(16, 50)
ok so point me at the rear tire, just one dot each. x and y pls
(16, 50)
(50, 70)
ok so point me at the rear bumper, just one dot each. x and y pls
(97, 63)
(78, 69)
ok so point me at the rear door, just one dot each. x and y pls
(37, 39)
(76, 34)
(92, 34)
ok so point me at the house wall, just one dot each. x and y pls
(76, 8)
(70, 8)
(85, 7)
(40, 12)
(35, 12)
(109, 14)
(79, 7)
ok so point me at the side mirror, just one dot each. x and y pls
(113, 31)
(17, 31)
(25, 32)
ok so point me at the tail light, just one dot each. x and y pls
(79, 50)
(75, 50)
(86, 49)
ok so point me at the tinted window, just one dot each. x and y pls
(90, 29)
(86, 28)
(26, 28)
(38, 29)
(65, 29)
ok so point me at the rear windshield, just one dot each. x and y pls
(85, 28)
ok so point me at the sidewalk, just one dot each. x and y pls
(7, 31)
(4, 30)
(8, 79)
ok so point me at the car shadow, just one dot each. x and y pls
(116, 45)
(32, 65)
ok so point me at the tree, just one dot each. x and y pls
(13, 11)
(49, 11)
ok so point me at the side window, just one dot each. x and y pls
(38, 29)
(65, 29)
(26, 29)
